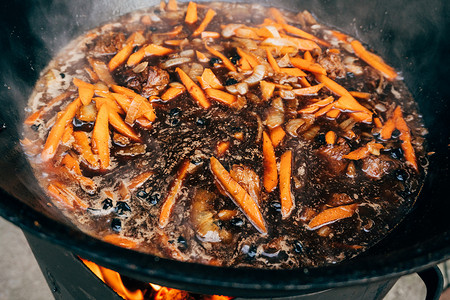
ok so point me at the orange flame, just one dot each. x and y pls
(114, 281)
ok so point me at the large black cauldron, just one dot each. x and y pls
(414, 37)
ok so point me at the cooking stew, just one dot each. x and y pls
(226, 134)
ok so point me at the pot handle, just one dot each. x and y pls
(434, 282)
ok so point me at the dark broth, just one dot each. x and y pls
(384, 186)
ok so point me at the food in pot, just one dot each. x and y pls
(226, 134)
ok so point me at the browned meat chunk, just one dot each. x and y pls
(108, 43)
(377, 166)
(333, 156)
(332, 63)
(339, 199)
(149, 82)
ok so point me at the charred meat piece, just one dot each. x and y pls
(333, 156)
(339, 199)
(108, 43)
(332, 63)
(377, 166)
(149, 82)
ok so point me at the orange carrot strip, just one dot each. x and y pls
(330, 137)
(405, 136)
(67, 133)
(100, 136)
(85, 94)
(57, 131)
(136, 57)
(120, 57)
(211, 79)
(346, 102)
(251, 59)
(333, 113)
(287, 202)
(238, 194)
(139, 180)
(296, 72)
(156, 50)
(124, 91)
(277, 135)
(31, 119)
(307, 56)
(273, 63)
(222, 147)
(340, 36)
(270, 179)
(377, 122)
(304, 82)
(210, 34)
(111, 102)
(169, 201)
(64, 196)
(83, 147)
(173, 42)
(373, 60)
(308, 90)
(58, 195)
(359, 112)
(191, 13)
(71, 164)
(228, 64)
(307, 65)
(388, 128)
(172, 5)
(193, 89)
(361, 95)
(331, 215)
(324, 110)
(221, 96)
(80, 83)
(244, 64)
(277, 15)
(363, 151)
(117, 240)
(208, 17)
(172, 93)
(116, 121)
(201, 56)
(303, 34)
(267, 89)
(174, 32)
(144, 122)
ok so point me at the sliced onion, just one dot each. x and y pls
(258, 74)
(242, 88)
(286, 94)
(175, 62)
(187, 53)
(230, 29)
(196, 70)
(260, 127)
(140, 67)
(293, 125)
(232, 89)
(275, 117)
(279, 42)
(273, 31)
(284, 62)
